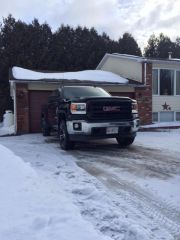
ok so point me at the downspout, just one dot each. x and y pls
(15, 107)
(145, 71)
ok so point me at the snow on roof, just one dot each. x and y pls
(87, 75)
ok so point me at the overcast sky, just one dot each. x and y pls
(139, 17)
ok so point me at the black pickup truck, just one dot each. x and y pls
(80, 113)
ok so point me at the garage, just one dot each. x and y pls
(36, 100)
(30, 90)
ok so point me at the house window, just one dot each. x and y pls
(155, 81)
(178, 116)
(166, 116)
(155, 117)
(166, 82)
(178, 83)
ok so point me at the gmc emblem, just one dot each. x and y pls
(111, 109)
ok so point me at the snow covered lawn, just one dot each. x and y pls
(94, 192)
(33, 207)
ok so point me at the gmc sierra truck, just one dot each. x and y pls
(80, 113)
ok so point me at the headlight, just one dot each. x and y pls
(78, 108)
(134, 107)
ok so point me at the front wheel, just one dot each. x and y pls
(64, 140)
(125, 142)
(45, 129)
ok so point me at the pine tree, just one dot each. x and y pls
(151, 49)
(61, 49)
(164, 46)
(128, 45)
(159, 46)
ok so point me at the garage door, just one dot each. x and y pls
(36, 100)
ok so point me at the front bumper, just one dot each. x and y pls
(90, 130)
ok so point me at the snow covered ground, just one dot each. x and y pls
(35, 207)
(162, 125)
(97, 191)
(4, 131)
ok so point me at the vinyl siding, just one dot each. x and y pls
(172, 101)
(124, 67)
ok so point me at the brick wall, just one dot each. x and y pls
(22, 104)
(143, 95)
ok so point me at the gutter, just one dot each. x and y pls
(70, 82)
(171, 62)
(145, 72)
(77, 82)
(15, 110)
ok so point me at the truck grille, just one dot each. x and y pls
(109, 109)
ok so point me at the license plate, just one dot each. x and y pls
(111, 130)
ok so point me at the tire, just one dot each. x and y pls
(45, 129)
(63, 135)
(125, 142)
(45, 132)
(44, 125)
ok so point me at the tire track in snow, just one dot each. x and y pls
(165, 215)
(99, 162)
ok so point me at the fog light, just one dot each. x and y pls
(77, 126)
(137, 123)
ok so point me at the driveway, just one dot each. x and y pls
(143, 177)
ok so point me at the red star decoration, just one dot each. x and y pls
(166, 106)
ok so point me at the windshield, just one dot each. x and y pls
(84, 91)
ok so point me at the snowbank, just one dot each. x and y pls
(4, 131)
(168, 141)
(7, 125)
(162, 125)
(87, 75)
(33, 209)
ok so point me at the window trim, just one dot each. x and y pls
(167, 69)
(158, 113)
(174, 83)
(158, 82)
(157, 117)
(176, 116)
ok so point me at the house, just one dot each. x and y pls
(159, 97)
(30, 90)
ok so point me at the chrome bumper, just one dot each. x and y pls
(86, 127)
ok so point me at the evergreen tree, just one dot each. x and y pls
(61, 49)
(176, 49)
(159, 46)
(151, 49)
(37, 45)
(128, 45)
(164, 46)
